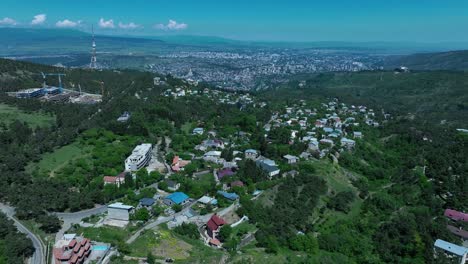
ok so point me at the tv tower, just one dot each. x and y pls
(93, 64)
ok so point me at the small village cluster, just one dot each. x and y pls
(327, 127)
(334, 124)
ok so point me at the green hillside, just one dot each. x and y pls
(451, 60)
(429, 97)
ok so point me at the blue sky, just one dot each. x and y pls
(274, 20)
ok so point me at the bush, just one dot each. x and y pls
(187, 229)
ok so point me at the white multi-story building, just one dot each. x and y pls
(139, 158)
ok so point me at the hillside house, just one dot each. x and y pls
(178, 164)
(115, 180)
(269, 168)
(290, 159)
(179, 198)
(251, 154)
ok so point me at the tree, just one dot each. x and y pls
(188, 229)
(142, 214)
(177, 208)
(342, 201)
(49, 223)
(225, 232)
(150, 259)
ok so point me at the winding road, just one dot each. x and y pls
(75, 218)
(38, 257)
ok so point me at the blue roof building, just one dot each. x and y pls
(147, 202)
(229, 196)
(448, 247)
(176, 198)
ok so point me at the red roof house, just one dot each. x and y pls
(178, 164)
(214, 225)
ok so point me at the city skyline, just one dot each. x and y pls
(338, 20)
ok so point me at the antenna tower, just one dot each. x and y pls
(93, 64)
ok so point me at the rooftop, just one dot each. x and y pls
(120, 206)
(452, 248)
(177, 197)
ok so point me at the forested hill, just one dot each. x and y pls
(451, 60)
(382, 202)
(436, 97)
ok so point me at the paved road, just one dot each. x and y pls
(74, 218)
(38, 256)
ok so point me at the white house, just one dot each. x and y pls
(139, 158)
(291, 159)
(251, 154)
(347, 143)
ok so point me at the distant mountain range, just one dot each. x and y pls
(27, 41)
(451, 60)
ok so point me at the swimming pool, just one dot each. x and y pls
(100, 247)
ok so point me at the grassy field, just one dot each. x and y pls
(51, 162)
(8, 114)
(105, 234)
(163, 243)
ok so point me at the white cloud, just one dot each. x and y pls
(130, 25)
(7, 21)
(39, 19)
(171, 25)
(106, 24)
(67, 23)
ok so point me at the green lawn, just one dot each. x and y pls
(8, 114)
(107, 234)
(51, 162)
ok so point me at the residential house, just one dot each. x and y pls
(178, 164)
(291, 159)
(213, 156)
(213, 226)
(269, 168)
(213, 144)
(236, 184)
(124, 117)
(207, 200)
(357, 134)
(327, 142)
(172, 185)
(251, 154)
(456, 215)
(115, 180)
(225, 172)
(147, 202)
(458, 232)
(229, 196)
(347, 143)
(451, 250)
(198, 131)
(72, 251)
(179, 198)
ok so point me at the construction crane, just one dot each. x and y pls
(53, 74)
